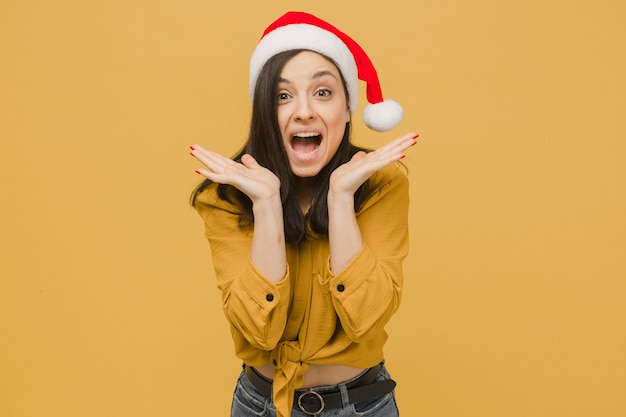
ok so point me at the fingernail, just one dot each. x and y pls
(416, 136)
(191, 153)
(192, 148)
(403, 156)
(414, 142)
(197, 172)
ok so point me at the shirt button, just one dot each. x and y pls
(269, 297)
(340, 288)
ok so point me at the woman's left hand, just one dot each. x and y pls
(347, 178)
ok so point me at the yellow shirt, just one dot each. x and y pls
(312, 316)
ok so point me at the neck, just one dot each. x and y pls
(304, 191)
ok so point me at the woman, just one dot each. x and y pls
(308, 232)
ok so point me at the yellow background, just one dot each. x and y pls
(515, 300)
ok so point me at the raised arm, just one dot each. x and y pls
(366, 251)
(250, 265)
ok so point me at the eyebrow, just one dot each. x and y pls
(322, 73)
(318, 74)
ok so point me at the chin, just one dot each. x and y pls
(302, 172)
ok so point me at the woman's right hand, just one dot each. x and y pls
(255, 181)
(267, 251)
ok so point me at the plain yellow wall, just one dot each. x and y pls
(515, 300)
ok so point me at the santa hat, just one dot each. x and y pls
(298, 30)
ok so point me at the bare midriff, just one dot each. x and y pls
(318, 375)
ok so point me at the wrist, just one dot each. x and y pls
(340, 199)
(272, 203)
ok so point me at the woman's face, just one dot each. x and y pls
(312, 112)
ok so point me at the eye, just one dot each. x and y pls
(323, 93)
(283, 96)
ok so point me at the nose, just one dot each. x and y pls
(304, 110)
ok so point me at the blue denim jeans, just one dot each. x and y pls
(248, 402)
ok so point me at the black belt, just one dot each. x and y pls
(312, 402)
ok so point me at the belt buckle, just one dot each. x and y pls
(311, 396)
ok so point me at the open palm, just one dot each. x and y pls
(347, 178)
(255, 181)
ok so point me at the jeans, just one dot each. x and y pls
(248, 402)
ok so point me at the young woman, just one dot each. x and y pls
(307, 231)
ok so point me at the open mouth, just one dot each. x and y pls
(305, 143)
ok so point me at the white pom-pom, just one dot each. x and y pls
(384, 116)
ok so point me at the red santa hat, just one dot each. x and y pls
(298, 30)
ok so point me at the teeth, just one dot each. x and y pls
(306, 134)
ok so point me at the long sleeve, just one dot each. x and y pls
(254, 306)
(367, 292)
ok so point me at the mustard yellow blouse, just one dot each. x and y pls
(312, 316)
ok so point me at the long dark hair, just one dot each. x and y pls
(265, 144)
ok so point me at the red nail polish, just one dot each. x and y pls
(191, 153)
(197, 172)
(416, 136)
(192, 148)
(403, 156)
(414, 143)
